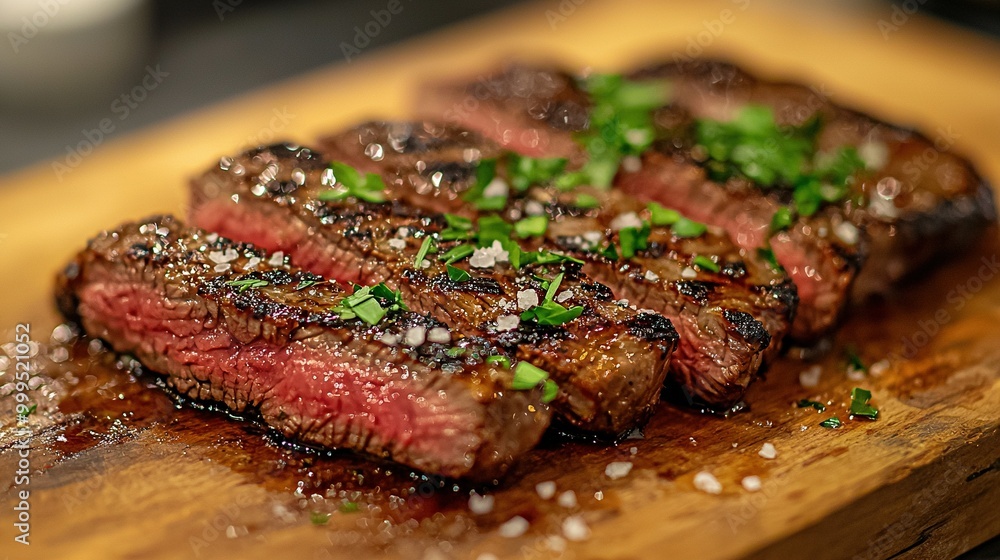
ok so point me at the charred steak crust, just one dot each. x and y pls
(746, 284)
(609, 379)
(229, 323)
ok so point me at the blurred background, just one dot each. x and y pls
(65, 65)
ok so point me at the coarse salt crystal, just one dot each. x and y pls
(847, 232)
(212, 237)
(633, 450)
(222, 267)
(768, 451)
(62, 334)
(751, 483)
(622, 302)
(439, 334)
(546, 489)
(593, 237)
(618, 469)
(527, 299)
(415, 336)
(390, 339)
(252, 263)
(397, 243)
(855, 374)
(507, 323)
(567, 499)
(575, 529)
(276, 259)
(425, 263)
(487, 556)
(651, 276)
(874, 154)
(563, 296)
(706, 482)
(534, 208)
(482, 258)
(878, 368)
(689, 273)
(810, 377)
(403, 232)
(480, 505)
(626, 220)
(496, 187)
(514, 527)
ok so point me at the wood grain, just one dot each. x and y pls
(921, 482)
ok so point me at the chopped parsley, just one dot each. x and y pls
(586, 201)
(527, 376)
(548, 312)
(486, 171)
(349, 182)
(318, 518)
(621, 122)
(349, 507)
(767, 254)
(425, 248)
(524, 171)
(832, 423)
(854, 361)
(308, 282)
(532, 226)
(781, 220)
(31, 410)
(860, 406)
(370, 303)
(457, 253)
(806, 403)
(680, 226)
(705, 263)
(633, 240)
(503, 361)
(457, 274)
(458, 228)
(247, 284)
(753, 145)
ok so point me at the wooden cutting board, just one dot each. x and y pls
(116, 471)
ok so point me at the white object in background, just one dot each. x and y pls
(57, 54)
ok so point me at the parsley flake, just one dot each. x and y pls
(527, 376)
(860, 406)
(349, 182)
(247, 284)
(832, 423)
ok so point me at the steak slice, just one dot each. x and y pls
(922, 201)
(228, 323)
(729, 323)
(609, 363)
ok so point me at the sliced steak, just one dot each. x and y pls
(729, 322)
(228, 323)
(911, 212)
(921, 201)
(609, 363)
